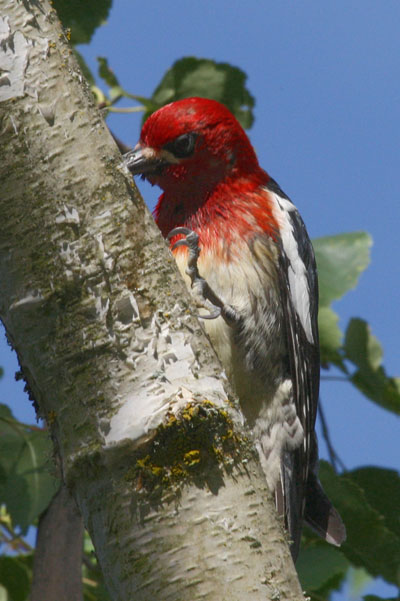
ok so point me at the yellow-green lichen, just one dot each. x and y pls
(198, 444)
(191, 458)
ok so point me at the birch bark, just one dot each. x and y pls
(157, 458)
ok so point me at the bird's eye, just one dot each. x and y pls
(183, 146)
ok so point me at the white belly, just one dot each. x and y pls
(247, 282)
(253, 351)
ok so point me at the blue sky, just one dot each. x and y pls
(326, 78)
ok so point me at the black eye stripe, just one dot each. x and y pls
(183, 146)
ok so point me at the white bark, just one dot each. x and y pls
(165, 478)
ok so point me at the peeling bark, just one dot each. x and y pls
(157, 459)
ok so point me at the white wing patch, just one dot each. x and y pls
(297, 273)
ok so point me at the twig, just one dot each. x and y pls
(129, 109)
(333, 456)
(15, 541)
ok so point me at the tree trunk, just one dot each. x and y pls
(161, 468)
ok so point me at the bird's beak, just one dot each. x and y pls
(144, 161)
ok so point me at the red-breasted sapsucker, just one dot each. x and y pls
(243, 235)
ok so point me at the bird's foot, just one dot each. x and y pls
(204, 295)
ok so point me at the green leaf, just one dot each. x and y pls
(15, 578)
(357, 580)
(330, 335)
(382, 489)
(82, 18)
(365, 352)
(318, 564)
(379, 387)
(106, 73)
(192, 76)
(361, 347)
(26, 486)
(371, 543)
(340, 259)
(5, 412)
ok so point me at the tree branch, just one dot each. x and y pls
(57, 568)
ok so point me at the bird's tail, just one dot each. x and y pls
(299, 501)
(321, 515)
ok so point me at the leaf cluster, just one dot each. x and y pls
(26, 488)
(357, 354)
(189, 76)
(368, 500)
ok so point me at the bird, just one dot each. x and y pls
(243, 249)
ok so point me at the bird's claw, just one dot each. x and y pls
(180, 230)
(182, 242)
(212, 314)
(191, 241)
(203, 294)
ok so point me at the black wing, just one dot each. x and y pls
(302, 492)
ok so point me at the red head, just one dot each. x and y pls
(193, 149)
(190, 140)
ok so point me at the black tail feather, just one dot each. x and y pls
(321, 515)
